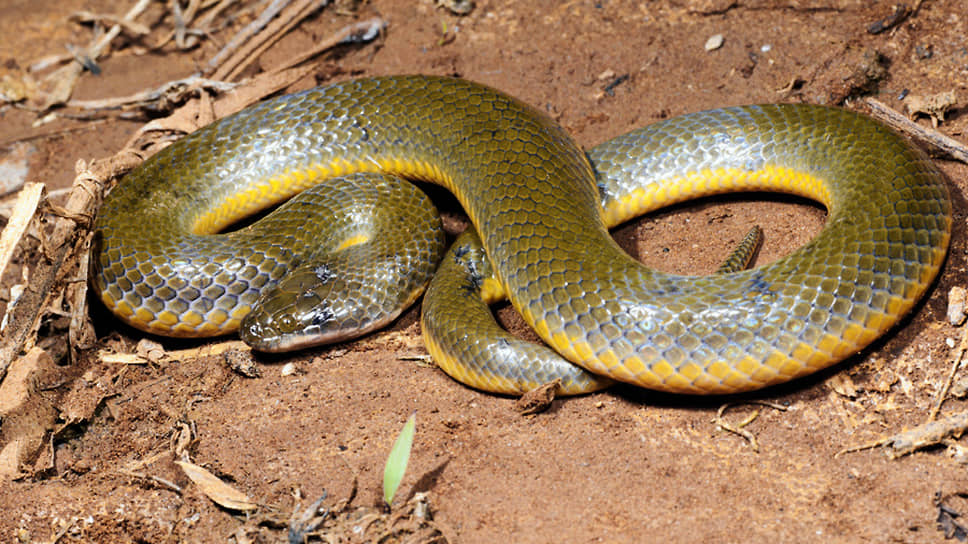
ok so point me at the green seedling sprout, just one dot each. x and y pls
(397, 460)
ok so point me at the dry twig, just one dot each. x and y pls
(925, 435)
(956, 363)
(231, 67)
(245, 34)
(169, 92)
(359, 32)
(948, 147)
(739, 428)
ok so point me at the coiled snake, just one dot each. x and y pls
(542, 209)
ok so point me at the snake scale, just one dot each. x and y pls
(541, 207)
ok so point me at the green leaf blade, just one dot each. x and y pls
(397, 460)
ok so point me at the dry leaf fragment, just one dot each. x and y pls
(947, 516)
(149, 350)
(128, 25)
(538, 399)
(220, 492)
(28, 200)
(843, 385)
(934, 106)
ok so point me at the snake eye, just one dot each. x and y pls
(286, 322)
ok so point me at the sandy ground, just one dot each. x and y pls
(625, 465)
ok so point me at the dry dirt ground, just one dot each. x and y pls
(625, 465)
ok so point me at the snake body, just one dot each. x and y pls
(542, 209)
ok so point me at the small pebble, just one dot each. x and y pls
(714, 42)
(607, 74)
(288, 369)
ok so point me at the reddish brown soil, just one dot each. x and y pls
(625, 465)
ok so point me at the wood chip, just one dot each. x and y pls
(23, 211)
(208, 350)
(20, 384)
(27, 416)
(957, 297)
(121, 358)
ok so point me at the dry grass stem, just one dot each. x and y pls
(245, 34)
(229, 68)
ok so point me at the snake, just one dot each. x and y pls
(541, 208)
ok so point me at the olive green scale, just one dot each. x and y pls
(542, 209)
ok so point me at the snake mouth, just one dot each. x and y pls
(268, 340)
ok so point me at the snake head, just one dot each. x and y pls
(264, 331)
(315, 305)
